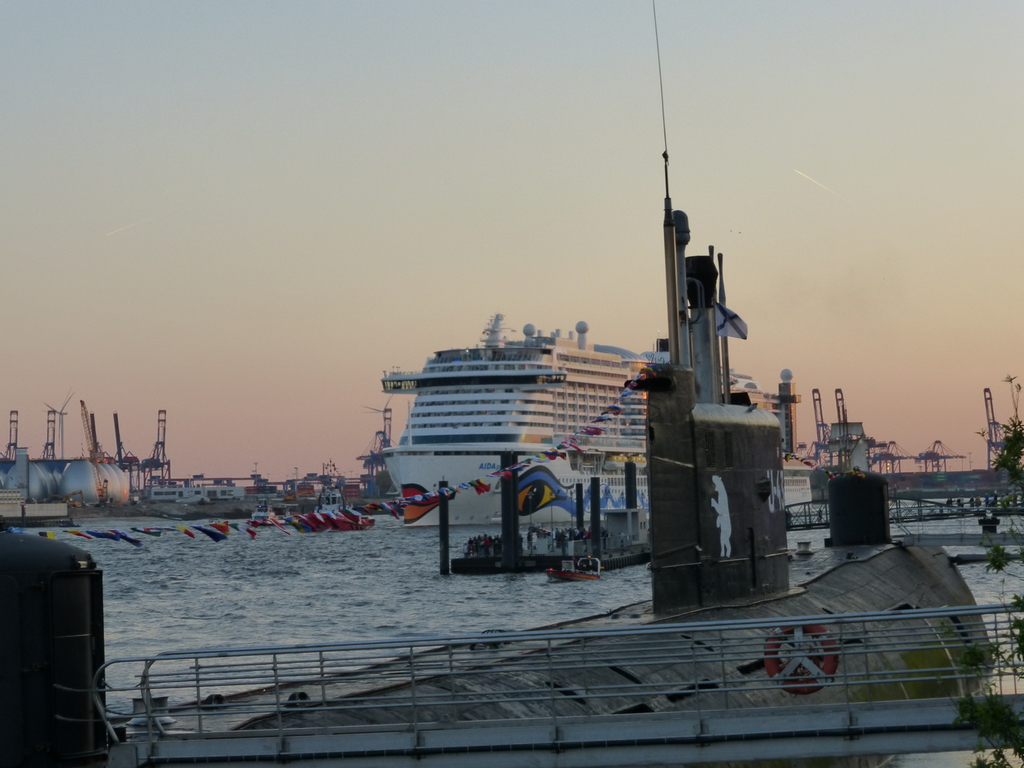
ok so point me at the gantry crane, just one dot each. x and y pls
(126, 460)
(889, 456)
(12, 441)
(50, 447)
(995, 441)
(373, 459)
(935, 456)
(821, 430)
(157, 465)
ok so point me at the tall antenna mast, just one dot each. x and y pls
(675, 267)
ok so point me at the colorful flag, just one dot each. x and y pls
(215, 535)
(104, 535)
(186, 531)
(125, 537)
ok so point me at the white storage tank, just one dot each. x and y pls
(80, 475)
(117, 486)
(41, 485)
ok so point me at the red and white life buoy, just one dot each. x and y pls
(803, 658)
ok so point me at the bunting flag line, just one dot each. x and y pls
(327, 520)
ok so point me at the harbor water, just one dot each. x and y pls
(180, 593)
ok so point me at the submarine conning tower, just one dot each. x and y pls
(718, 527)
(718, 530)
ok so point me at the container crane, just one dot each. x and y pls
(50, 447)
(821, 429)
(157, 465)
(12, 441)
(126, 460)
(935, 456)
(373, 459)
(889, 456)
(995, 441)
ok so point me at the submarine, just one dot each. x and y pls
(726, 628)
(719, 556)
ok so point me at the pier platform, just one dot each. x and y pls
(539, 563)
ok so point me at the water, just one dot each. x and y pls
(180, 593)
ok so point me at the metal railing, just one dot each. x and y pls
(603, 674)
(809, 515)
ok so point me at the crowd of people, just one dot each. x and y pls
(541, 541)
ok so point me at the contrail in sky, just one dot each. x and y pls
(820, 185)
(137, 223)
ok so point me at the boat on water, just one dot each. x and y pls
(584, 569)
(330, 514)
(261, 514)
(474, 403)
(331, 509)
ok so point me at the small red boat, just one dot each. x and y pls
(585, 569)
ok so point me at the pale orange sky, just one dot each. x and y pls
(244, 212)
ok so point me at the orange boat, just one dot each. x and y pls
(585, 569)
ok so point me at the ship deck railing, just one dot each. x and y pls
(539, 688)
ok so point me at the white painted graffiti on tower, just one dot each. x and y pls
(721, 505)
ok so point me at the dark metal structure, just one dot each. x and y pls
(51, 638)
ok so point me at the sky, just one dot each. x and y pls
(245, 212)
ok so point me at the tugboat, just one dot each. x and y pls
(585, 569)
(339, 517)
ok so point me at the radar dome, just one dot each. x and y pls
(582, 327)
(529, 329)
(786, 375)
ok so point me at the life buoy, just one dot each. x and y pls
(803, 658)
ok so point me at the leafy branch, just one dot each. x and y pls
(1000, 730)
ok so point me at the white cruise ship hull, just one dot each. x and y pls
(546, 494)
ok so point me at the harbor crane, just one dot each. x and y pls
(373, 459)
(157, 466)
(889, 457)
(126, 460)
(49, 447)
(995, 441)
(12, 441)
(821, 430)
(934, 457)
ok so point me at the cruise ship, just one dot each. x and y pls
(524, 396)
